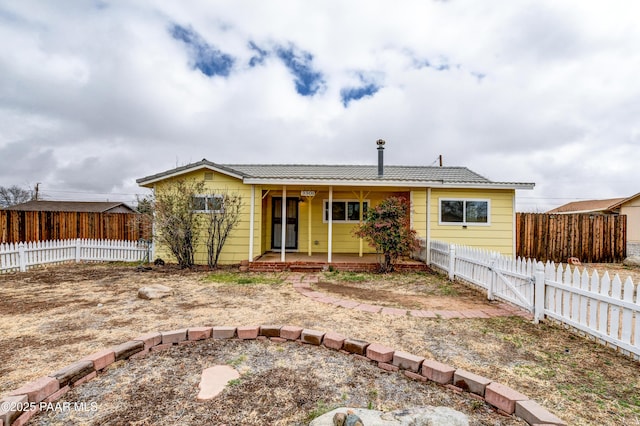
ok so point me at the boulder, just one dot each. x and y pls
(417, 416)
(632, 261)
(156, 291)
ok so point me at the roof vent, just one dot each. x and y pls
(380, 144)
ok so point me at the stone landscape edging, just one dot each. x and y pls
(49, 389)
(303, 286)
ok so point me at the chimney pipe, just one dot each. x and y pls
(380, 144)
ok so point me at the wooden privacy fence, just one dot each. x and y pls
(557, 237)
(604, 308)
(26, 226)
(23, 256)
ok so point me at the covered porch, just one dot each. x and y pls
(314, 225)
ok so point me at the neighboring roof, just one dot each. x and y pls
(341, 175)
(626, 200)
(70, 206)
(589, 206)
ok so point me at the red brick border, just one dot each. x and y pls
(504, 399)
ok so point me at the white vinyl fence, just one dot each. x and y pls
(22, 256)
(594, 304)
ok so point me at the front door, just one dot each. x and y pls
(291, 242)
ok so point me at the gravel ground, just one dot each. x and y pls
(280, 384)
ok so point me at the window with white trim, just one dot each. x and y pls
(345, 211)
(208, 203)
(464, 212)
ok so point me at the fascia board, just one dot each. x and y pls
(157, 178)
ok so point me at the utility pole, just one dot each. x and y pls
(440, 158)
(37, 190)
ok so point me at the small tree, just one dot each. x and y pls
(387, 228)
(12, 195)
(177, 223)
(141, 224)
(222, 219)
(144, 204)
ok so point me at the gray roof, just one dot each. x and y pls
(348, 174)
(72, 206)
(356, 172)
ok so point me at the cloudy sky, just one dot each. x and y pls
(95, 94)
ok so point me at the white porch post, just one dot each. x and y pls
(252, 211)
(428, 242)
(283, 231)
(309, 227)
(360, 243)
(513, 227)
(330, 213)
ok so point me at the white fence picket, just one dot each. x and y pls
(627, 314)
(594, 287)
(636, 335)
(17, 257)
(591, 303)
(583, 300)
(603, 316)
(614, 319)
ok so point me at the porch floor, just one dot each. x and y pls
(297, 261)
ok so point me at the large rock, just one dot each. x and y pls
(632, 261)
(156, 291)
(418, 416)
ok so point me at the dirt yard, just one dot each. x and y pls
(54, 316)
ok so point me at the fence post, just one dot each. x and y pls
(539, 289)
(78, 247)
(452, 262)
(493, 279)
(22, 257)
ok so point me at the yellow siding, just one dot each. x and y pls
(236, 247)
(419, 211)
(498, 236)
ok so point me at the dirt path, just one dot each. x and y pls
(406, 301)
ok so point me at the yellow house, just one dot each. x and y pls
(322, 204)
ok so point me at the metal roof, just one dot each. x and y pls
(356, 172)
(340, 174)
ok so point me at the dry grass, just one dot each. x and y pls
(52, 317)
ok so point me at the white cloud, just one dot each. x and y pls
(95, 94)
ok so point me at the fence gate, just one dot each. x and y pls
(511, 286)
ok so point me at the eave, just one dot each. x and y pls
(386, 183)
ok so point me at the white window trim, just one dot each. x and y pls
(206, 196)
(464, 212)
(325, 206)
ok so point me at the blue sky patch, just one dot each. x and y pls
(441, 65)
(258, 58)
(478, 75)
(206, 58)
(299, 62)
(349, 94)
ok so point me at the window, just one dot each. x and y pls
(208, 203)
(464, 212)
(344, 211)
